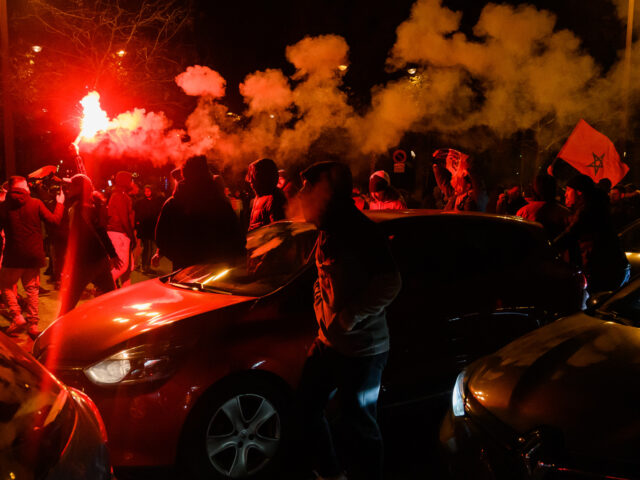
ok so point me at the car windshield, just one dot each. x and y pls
(275, 254)
(630, 237)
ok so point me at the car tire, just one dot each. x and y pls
(242, 428)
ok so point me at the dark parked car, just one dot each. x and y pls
(47, 431)
(560, 402)
(630, 242)
(199, 366)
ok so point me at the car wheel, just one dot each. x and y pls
(238, 430)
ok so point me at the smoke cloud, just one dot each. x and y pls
(199, 81)
(518, 72)
(522, 70)
(267, 91)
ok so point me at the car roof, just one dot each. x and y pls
(384, 216)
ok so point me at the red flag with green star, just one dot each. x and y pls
(592, 153)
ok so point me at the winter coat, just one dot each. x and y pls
(553, 217)
(268, 209)
(391, 199)
(146, 214)
(387, 205)
(594, 247)
(88, 239)
(20, 218)
(121, 217)
(198, 225)
(357, 280)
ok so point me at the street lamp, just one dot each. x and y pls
(36, 48)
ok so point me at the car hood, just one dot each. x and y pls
(83, 335)
(578, 375)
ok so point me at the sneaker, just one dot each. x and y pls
(34, 331)
(16, 326)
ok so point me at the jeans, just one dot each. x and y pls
(147, 252)
(58, 250)
(608, 280)
(356, 381)
(30, 278)
(79, 276)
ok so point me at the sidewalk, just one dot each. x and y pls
(50, 302)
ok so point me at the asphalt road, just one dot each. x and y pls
(411, 447)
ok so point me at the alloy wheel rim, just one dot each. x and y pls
(243, 435)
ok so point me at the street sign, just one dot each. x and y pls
(399, 156)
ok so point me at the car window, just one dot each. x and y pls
(624, 306)
(515, 243)
(450, 246)
(630, 237)
(424, 247)
(275, 254)
(33, 413)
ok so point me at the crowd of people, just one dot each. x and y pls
(91, 239)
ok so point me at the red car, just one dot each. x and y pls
(47, 431)
(198, 367)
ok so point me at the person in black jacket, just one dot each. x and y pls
(147, 209)
(544, 208)
(357, 280)
(21, 219)
(90, 254)
(197, 224)
(270, 203)
(590, 238)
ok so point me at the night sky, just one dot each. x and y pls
(237, 38)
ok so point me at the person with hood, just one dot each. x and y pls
(20, 220)
(270, 203)
(286, 185)
(357, 280)
(383, 195)
(620, 211)
(544, 208)
(510, 201)
(147, 210)
(121, 226)
(90, 255)
(197, 224)
(590, 238)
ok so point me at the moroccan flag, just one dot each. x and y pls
(590, 152)
(456, 162)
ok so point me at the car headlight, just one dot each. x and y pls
(458, 396)
(143, 363)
